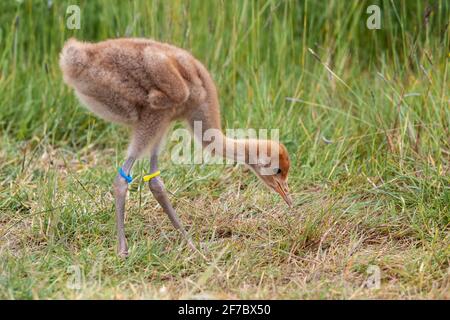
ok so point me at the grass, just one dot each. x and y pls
(364, 113)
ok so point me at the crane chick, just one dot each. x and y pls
(146, 85)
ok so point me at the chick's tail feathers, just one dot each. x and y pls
(73, 59)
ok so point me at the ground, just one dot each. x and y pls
(60, 240)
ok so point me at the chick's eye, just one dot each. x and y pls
(276, 170)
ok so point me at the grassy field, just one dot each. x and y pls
(364, 113)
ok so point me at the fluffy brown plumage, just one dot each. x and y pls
(146, 85)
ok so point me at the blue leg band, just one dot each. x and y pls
(127, 178)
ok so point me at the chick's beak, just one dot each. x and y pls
(282, 188)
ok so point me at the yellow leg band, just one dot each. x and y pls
(149, 177)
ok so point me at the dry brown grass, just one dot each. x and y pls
(255, 246)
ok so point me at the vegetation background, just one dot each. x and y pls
(364, 113)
